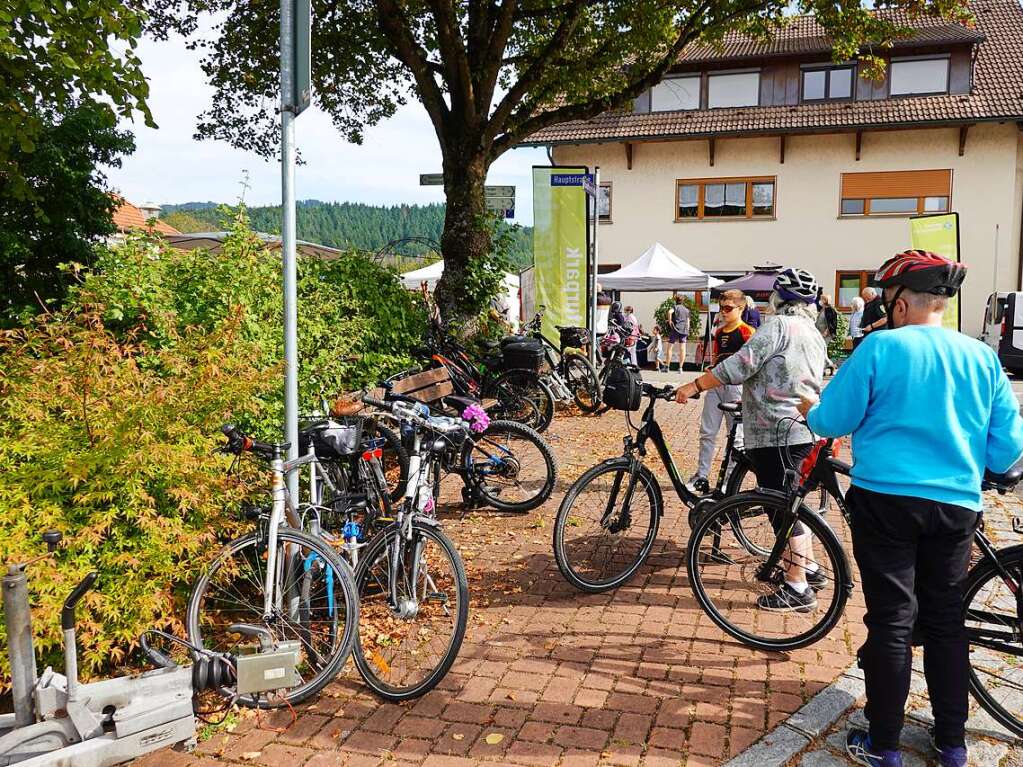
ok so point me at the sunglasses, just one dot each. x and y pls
(728, 307)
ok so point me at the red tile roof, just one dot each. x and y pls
(128, 217)
(997, 90)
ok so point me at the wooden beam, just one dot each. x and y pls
(963, 130)
(859, 144)
(781, 159)
(710, 148)
(628, 154)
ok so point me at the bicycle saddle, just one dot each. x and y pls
(730, 407)
(1002, 482)
(458, 402)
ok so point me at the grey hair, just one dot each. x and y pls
(928, 302)
(870, 292)
(856, 304)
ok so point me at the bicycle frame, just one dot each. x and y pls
(651, 430)
(283, 509)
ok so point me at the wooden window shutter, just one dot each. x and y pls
(899, 183)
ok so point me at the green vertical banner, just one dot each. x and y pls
(939, 234)
(560, 246)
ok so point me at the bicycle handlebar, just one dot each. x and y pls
(67, 614)
(238, 443)
(404, 408)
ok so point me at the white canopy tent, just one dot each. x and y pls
(658, 269)
(431, 274)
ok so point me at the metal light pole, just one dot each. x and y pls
(593, 274)
(295, 96)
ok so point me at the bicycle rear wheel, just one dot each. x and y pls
(582, 381)
(316, 605)
(994, 624)
(605, 529)
(406, 648)
(511, 465)
(522, 396)
(726, 553)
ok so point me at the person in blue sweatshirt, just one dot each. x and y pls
(928, 410)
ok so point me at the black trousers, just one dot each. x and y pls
(770, 463)
(913, 556)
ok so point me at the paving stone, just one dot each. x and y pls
(823, 759)
(821, 712)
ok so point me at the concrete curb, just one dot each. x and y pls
(790, 737)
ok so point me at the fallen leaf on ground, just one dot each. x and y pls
(458, 736)
(494, 738)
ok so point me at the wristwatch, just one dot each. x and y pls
(696, 383)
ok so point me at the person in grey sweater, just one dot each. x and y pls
(783, 362)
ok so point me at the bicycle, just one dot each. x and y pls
(727, 575)
(59, 721)
(410, 578)
(289, 583)
(569, 374)
(599, 544)
(520, 392)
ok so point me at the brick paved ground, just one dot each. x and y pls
(635, 677)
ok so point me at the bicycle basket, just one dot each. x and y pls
(332, 438)
(526, 355)
(624, 389)
(573, 338)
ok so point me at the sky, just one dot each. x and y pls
(168, 166)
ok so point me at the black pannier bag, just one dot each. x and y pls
(623, 389)
(333, 438)
(519, 355)
(574, 338)
(515, 340)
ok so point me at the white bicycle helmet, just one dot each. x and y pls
(794, 284)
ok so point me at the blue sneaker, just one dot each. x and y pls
(857, 744)
(950, 756)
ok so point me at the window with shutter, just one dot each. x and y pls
(896, 193)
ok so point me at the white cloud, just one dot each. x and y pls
(168, 166)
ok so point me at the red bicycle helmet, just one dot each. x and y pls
(921, 271)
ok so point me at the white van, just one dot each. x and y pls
(1003, 328)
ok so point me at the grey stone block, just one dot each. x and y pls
(985, 752)
(823, 759)
(773, 750)
(823, 710)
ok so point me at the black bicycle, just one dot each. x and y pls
(608, 521)
(567, 372)
(742, 549)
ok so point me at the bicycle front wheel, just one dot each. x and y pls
(725, 561)
(582, 382)
(511, 465)
(314, 603)
(994, 624)
(606, 526)
(411, 627)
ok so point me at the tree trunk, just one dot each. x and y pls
(466, 239)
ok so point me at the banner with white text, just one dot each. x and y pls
(559, 246)
(940, 234)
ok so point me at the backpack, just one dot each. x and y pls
(623, 389)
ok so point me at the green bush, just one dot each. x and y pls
(116, 455)
(663, 314)
(109, 411)
(356, 323)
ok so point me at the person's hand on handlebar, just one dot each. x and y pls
(693, 389)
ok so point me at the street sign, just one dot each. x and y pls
(302, 73)
(589, 186)
(500, 203)
(431, 179)
(499, 191)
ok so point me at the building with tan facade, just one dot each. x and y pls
(753, 152)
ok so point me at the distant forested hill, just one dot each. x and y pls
(344, 224)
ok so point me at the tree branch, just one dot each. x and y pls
(532, 74)
(453, 55)
(491, 65)
(395, 27)
(525, 124)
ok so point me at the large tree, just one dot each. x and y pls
(54, 55)
(489, 72)
(59, 204)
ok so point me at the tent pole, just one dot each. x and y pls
(592, 310)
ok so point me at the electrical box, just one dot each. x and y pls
(271, 670)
